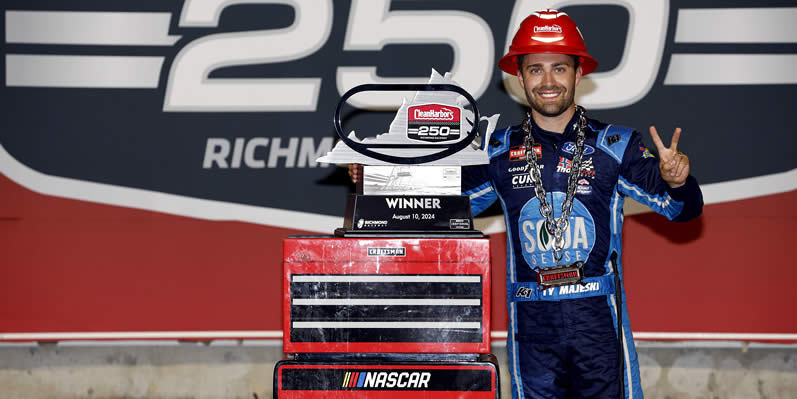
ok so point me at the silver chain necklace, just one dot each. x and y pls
(556, 226)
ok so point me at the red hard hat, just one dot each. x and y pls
(548, 31)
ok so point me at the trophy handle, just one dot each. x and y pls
(491, 122)
(448, 149)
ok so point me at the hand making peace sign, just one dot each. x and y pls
(673, 164)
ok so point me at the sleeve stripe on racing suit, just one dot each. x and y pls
(481, 197)
(617, 203)
(663, 204)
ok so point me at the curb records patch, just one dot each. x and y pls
(522, 180)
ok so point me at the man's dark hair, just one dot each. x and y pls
(576, 61)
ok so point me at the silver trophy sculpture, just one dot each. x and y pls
(412, 174)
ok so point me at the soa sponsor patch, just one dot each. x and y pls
(538, 243)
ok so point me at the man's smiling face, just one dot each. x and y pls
(549, 81)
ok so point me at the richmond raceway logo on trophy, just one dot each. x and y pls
(433, 123)
(367, 223)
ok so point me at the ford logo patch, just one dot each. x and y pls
(570, 148)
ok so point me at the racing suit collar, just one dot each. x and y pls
(548, 136)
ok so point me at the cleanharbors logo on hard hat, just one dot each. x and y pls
(548, 29)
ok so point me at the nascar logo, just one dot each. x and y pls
(386, 379)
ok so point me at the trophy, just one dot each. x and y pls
(411, 183)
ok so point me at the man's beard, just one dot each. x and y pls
(551, 109)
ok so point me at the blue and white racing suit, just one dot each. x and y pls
(562, 341)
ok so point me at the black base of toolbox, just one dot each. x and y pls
(393, 375)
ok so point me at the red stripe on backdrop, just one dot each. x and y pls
(73, 266)
(732, 270)
(77, 266)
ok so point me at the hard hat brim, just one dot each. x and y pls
(508, 63)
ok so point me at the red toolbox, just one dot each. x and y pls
(386, 295)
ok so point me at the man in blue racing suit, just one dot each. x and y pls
(563, 339)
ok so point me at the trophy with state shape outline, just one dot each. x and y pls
(411, 183)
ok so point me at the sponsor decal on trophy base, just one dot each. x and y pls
(459, 224)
